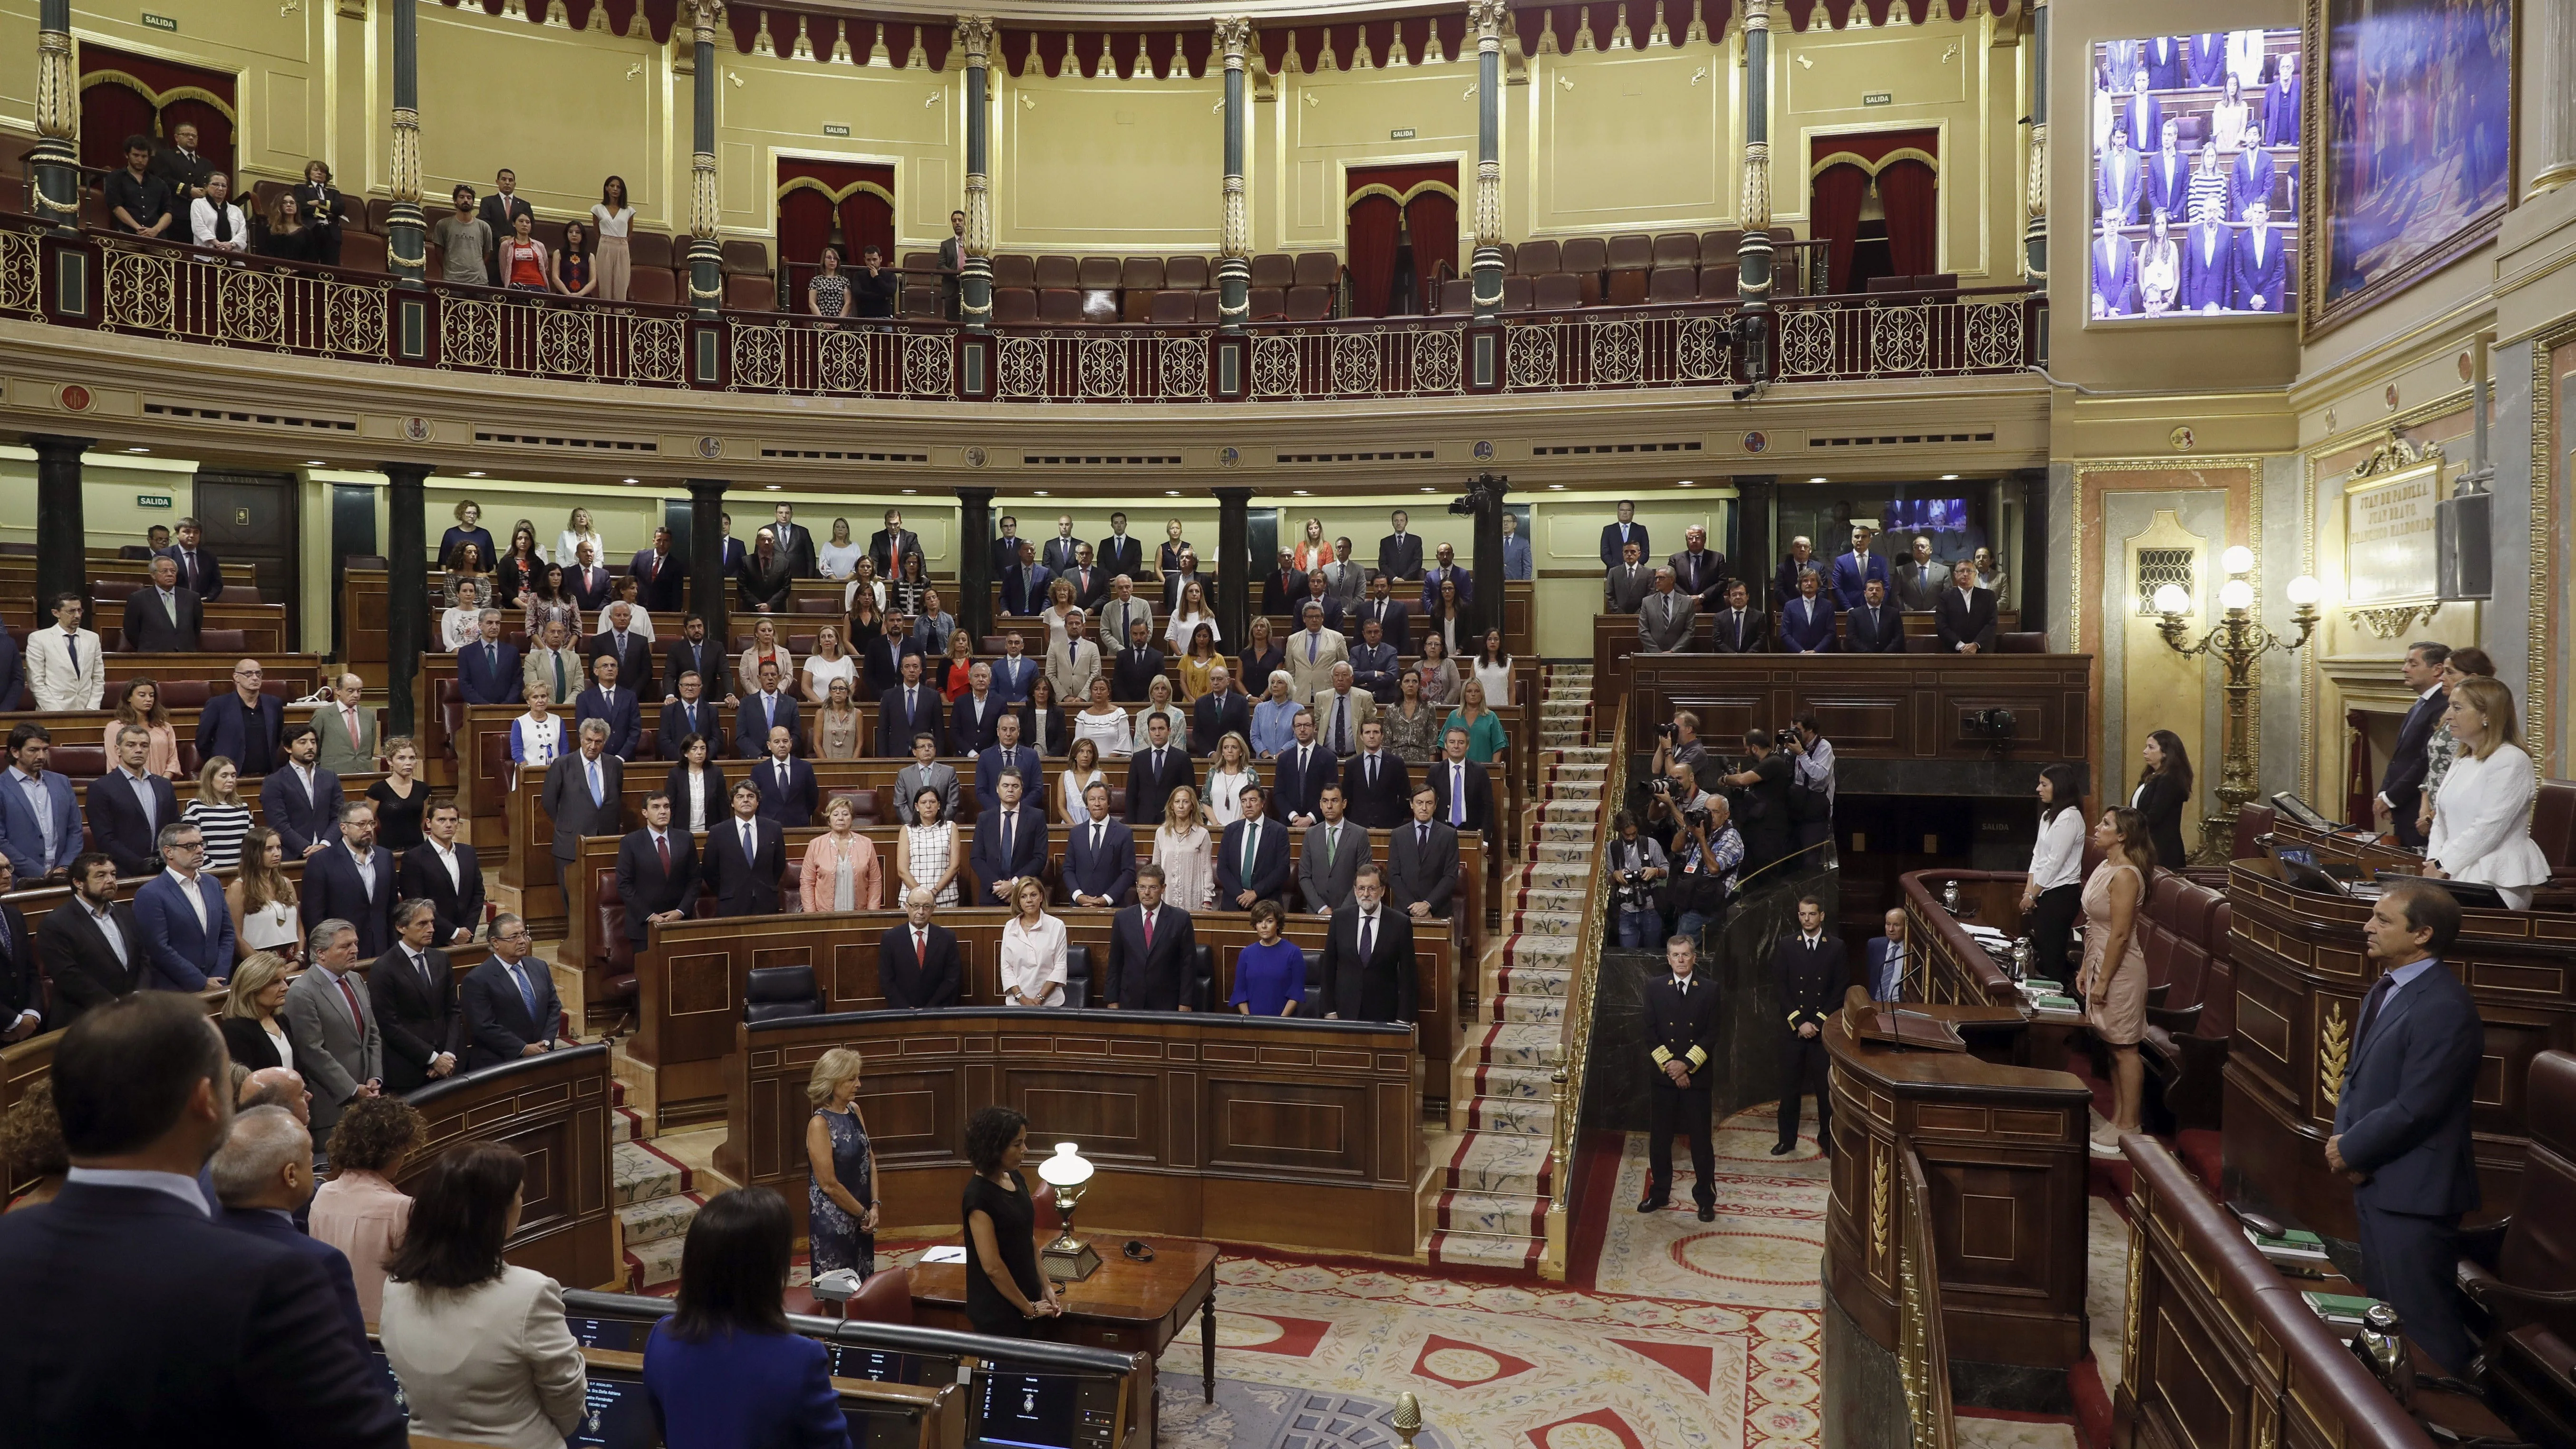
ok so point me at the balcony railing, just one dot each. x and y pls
(138, 288)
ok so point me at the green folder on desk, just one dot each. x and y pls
(2058, 1003)
(2296, 1243)
(2341, 1309)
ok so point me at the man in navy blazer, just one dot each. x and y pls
(909, 708)
(1741, 628)
(509, 1001)
(355, 881)
(1449, 570)
(2250, 177)
(301, 801)
(688, 713)
(785, 784)
(2115, 271)
(657, 872)
(1301, 772)
(975, 720)
(1010, 842)
(660, 573)
(733, 550)
(263, 1176)
(1015, 671)
(691, 651)
(245, 726)
(744, 857)
(1375, 781)
(1617, 536)
(1462, 792)
(2261, 278)
(1153, 947)
(1221, 711)
(1154, 772)
(917, 965)
(2401, 785)
(443, 871)
(613, 705)
(487, 669)
(188, 953)
(618, 638)
(882, 661)
(1024, 585)
(1100, 857)
(1394, 621)
(588, 580)
(760, 711)
(1807, 621)
(1007, 756)
(1876, 627)
(262, 1357)
(2401, 1126)
(1252, 860)
(1884, 959)
(1854, 567)
(129, 806)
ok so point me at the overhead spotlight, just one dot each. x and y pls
(1949, 477)
(1300, 492)
(1430, 490)
(1556, 487)
(1171, 493)
(315, 463)
(1819, 480)
(474, 473)
(912, 490)
(773, 487)
(1042, 493)
(138, 450)
(630, 480)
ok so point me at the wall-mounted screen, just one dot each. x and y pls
(2195, 166)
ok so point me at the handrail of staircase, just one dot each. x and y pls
(1575, 1032)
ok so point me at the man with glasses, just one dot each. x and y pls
(187, 932)
(245, 726)
(585, 791)
(509, 1001)
(353, 881)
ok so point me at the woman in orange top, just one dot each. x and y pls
(523, 257)
(841, 870)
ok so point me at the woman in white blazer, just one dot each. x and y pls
(480, 1346)
(213, 221)
(2482, 819)
(578, 530)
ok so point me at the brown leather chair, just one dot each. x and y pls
(1309, 304)
(1536, 258)
(1586, 257)
(1058, 271)
(1014, 306)
(549, 233)
(2520, 1274)
(1268, 304)
(1557, 292)
(1672, 285)
(814, 604)
(188, 693)
(1097, 274)
(745, 293)
(1274, 269)
(1208, 310)
(1677, 249)
(1517, 292)
(380, 212)
(78, 762)
(1318, 269)
(223, 641)
(885, 1298)
(1937, 282)
(922, 302)
(746, 257)
(649, 249)
(1717, 283)
(1889, 284)
(1139, 278)
(1631, 257)
(863, 805)
(1457, 297)
(362, 251)
(1059, 306)
(1015, 269)
(1187, 274)
(1172, 309)
(2031, 641)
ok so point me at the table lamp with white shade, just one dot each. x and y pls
(1068, 1258)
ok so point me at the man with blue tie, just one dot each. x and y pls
(1099, 858)
(1617, 536)
(910, 708)
(618, 638)
(1120, 553)
(302, 801)
(1884, 959)
(1375, 781)
(1015, 671)
(187, 932)
(691, 653)
(1807, 621)
(1422, 862)
(687, 714)
(1007, 757)
(2208, 266)
(584, 792)
(1462, 793)
(617, 708)
(744, 858)
(1252, 859)
(129, 805)
(1010, 842)
(244, 726)
(1854, 569)
(2262, 272)
(732, 550)
(509, 1001)
(1876, 627)
(788, 794)
(1302, 772)
(487, 668)
(760, 712)
(2402, 1128)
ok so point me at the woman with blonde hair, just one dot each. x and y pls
(957, 670)
(2466, 662)
(1060, 608)
(402, 797)
(840, 1168)
(1260, 657)
(262, 897)
(836, 724)
(1314, 550)
(1183, 849)
(1033, 948)
(2482, 819)
(828, 662)
(1485, 738)
(765, 649)
(1158, 700)
(2113, 982)
(1189, 615)
(220, 812)
(139, 705)
(1226, 779)
(841, 871)
(1081, 770)
(254, 1017)
(578, 530)
(840, 558)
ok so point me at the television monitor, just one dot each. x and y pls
(1012, 1408)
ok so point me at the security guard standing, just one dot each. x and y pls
(1808, 966)
(1681, 1021)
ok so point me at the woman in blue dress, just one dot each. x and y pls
(841, 1169)
(1270, 974)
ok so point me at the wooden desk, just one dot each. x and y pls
(1615, 637)
(1878, 709)
(1126, 1306)
(2005, 1159)
(2339, 848)
(554, 1109)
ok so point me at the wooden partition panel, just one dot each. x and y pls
(1614, 637)
(363, 627)
(554, 1109)
(1916, 707)
(1300, 1134)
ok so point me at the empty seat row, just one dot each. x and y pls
(1933, 282)
(1565, 291)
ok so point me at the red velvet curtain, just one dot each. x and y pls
(1372, 223)
(805, 215)
(108, 114)
(1431, 219)
(1833, 213)
(112, 110)
(1909, 191)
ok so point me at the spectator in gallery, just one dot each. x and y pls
(138, 201)
(281, 231)
(2115, 271)
(840, 1183)
(1807, 621)
(464, 241)
(952, 266)
(2281, 101)
(929, 859)
(2122, 182)
(874, 287)
(2168, 185)
(827, 292)
(2208, 264)
(214, 221)
(522, 258)
(611, 218)
(139, 705)
(1741, 629)
(1517, 563)
(1183, 848)
(501, 212)
(2262, 264)
(571, 270)
(917, 962)
(2159, 268)
(1615, 537)
(66, 667)
(1033, 948)
(360, 1211)
(1876, 627)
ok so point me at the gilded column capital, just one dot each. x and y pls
(57, 103)
(975, 39)
(703, 201)
(703, 15)
(405, 180)
(1488, 17)
(1757, 15)
(1234, 39)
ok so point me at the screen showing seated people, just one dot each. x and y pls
(2195, 152)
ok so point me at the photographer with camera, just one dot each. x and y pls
(1811, 784)
(1707, 853)
(1638, 867)
(1766, 784)
(1678, 742)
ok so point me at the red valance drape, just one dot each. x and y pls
(1909, 191)
(1833, 212)
(112, 110)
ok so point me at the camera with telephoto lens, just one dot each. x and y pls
(1660, 785)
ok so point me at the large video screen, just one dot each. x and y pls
(2195, 166)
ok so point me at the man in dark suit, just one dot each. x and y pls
(917, 964)
(1394, 621)
(1368, 957)
(1024, 584)
(2208, 263)
(909, 708)
(1882, 958)
(732, 549)
(744, 858)
(487, 670)
(1964, 617)
(618, 639)
(889, 544)
(1876, 627)
(128, 806)
(2262, 269)
(691, 651)
(1319, 594)
(1698, 570)
(1681, 1026)
(616, 707)
(446, 874)
(1252, 858)
(1615, 537)
(1625, 587)
(1809, 969)
(263, 1176)
(1807, 621)
(1330, 857)
(1010, 842)
(1100, 857)
(22, 975)
(2401, 785)
(414, 994)
(501, 211)
(1854, 568)
(1006, 546)
(1399, 554)
(353, 881)
(1375, 782)
(1154, 772)
(1006, 756)
(1301, 772)
(302, 801)
(245, 726)
(162, 617)
(1462, 792)
(181, 912)
(796, 543)
(89, 946)
(1138, 665)
(589, 581)
(687, 713)
(1152, 946)
(1445, 568)
(1422, 862)
(788, 793)
(2402, 1121)
(582, 792)
(883, 662)
(1283, 587)
(1058, 553)
(1222, 711)
(1374, 667)
(185, 170)
(657, 872)
(1121, 552)
(975, 720)
(511, 1010)
(764, 709)
(661, 575)
(263, 1355)
(200, 572)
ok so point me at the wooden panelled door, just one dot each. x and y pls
(250, 522)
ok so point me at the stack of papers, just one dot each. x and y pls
(2298, 1244)
(1986, 935)
(2056, 1003)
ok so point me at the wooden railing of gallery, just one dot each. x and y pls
(1575, 1032)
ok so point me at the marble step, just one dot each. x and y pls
(1518, 1116)
(653, 1220)
(1508, 1216)
(1497, 1162)
(1548, 1011)
(1518, 1044)
(1526, 1084)
(639, 1174)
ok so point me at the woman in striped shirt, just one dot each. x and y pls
(218, 811)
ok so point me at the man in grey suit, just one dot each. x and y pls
(1422, 862)
(926, 772)
(1628, 582)
(1344, 580)
(329, 1017)
(346, 730)
(582, 791)
(1331, 857)
(1664, 617)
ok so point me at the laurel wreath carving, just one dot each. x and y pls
(2334, 1047)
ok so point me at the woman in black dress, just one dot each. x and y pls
(2164, 789)
(1006, 1295)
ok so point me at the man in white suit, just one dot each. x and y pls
(65, 668)
(329, 1017)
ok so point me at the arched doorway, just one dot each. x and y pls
(848, 204)
(1874, 199)
(1400, 228)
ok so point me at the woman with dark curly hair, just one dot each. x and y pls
(1005, 1292)
(31, 1146)
(360, 1211)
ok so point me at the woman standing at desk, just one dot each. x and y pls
(2113, 984)
(841, 1168)
(2054, 892)
(2482, 819)
(1005, 1292)
(723, 1369)
(1033, 949)
(2164, 788)
(2465, 662)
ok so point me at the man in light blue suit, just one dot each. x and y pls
(40, 828)
(186, 929)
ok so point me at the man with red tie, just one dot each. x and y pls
(662, 574)
(917, 961)
(657, 871)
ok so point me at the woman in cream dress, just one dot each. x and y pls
(2482, 819)
(2230, 118)
(1183, 850)
(1081, 770)
(836, 724)
(262, 899)
(1033, 949)
(2159, 268)
(2113, 983)
(1158, 700)
(1103, 723)
(578, 530)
